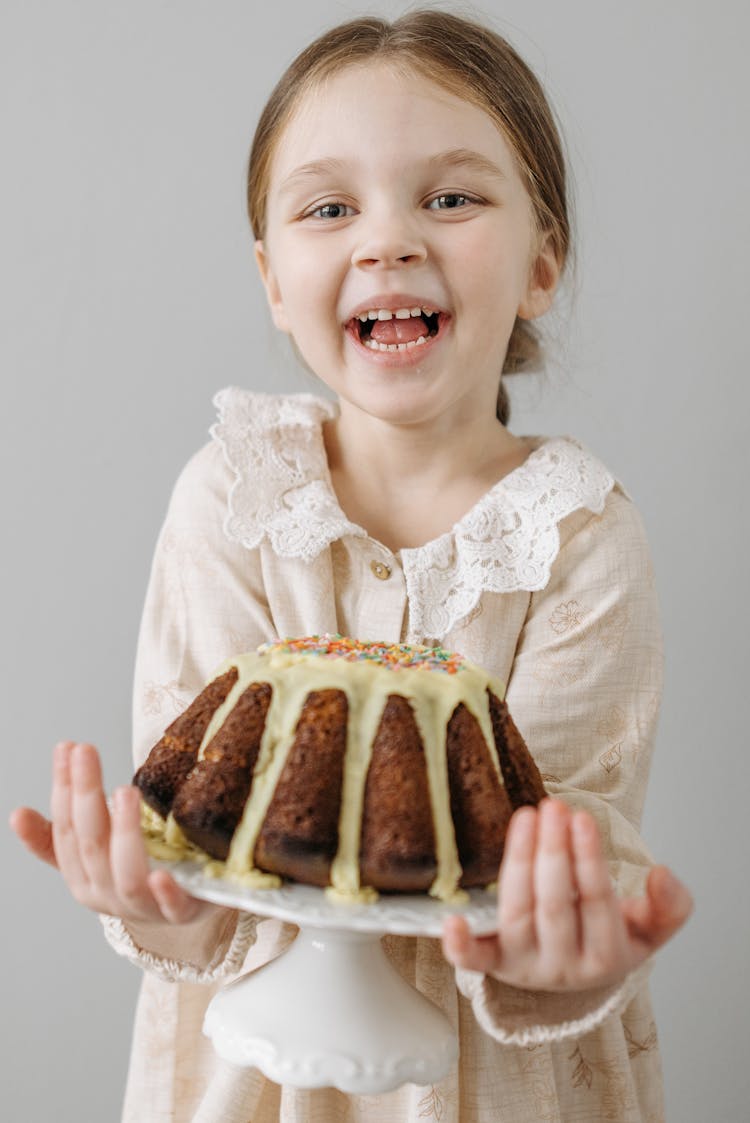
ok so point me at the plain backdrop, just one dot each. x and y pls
(129, 296)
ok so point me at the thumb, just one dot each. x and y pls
(667, 904)
(35, 832)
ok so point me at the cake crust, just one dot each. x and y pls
(300, 832)
(173, 757)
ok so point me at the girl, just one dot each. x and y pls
(407, 195)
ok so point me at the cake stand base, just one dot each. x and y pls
(332, 1011)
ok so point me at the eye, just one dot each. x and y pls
(330, 211)
(451, 201)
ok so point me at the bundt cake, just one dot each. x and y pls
(344, 764)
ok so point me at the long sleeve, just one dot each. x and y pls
(204, 601)
(584, 691)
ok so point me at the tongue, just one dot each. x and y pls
(398, 331)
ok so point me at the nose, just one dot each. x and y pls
(388, 239)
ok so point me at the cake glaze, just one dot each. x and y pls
(358, 766)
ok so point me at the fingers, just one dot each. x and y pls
(517, 896)
(101, 857)
(560, 924)
(141, 892)
(90, 817)
(558, 918)
(174, 903)
(103, 861)
(556, 888)
(477, 953)
(671, 900)
(602, 942)
(654, 918)
(129, 861)
(35, 832)
(63, 832)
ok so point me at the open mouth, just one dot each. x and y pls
(400, 330)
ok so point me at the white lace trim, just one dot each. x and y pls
(274, 445)
(594, 1007)
(173, 970)
(507, 542)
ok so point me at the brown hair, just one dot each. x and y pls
(462, 56)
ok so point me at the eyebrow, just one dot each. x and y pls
(310, 171)
(467, 158)
(452, 158)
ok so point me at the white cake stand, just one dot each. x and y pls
(332, 1011)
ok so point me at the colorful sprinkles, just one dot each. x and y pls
(396, 656)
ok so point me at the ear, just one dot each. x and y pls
(544, 274)
(271, 285)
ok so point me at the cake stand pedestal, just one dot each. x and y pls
(332, 1011)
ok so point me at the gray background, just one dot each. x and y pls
(129, 296)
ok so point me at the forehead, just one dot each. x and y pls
(380, 108)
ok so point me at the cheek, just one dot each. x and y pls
(304, 278)
(498, 267)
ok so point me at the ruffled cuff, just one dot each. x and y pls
(521, 1017)
(192, 954)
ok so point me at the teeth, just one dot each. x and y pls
(375, 346)
(387, 314)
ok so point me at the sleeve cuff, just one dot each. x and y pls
(519, 1017)
(215, 952)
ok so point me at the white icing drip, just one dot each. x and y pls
(278, 737)
(222, 713)
(432, 717)
(362, 726)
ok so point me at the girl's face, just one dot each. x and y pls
(391, 197)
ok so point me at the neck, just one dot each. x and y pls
(407, 484)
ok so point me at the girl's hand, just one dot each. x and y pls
(102, 858)
(560, 925)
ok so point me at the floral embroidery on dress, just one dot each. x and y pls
(615, 727)
(610, 630)
(554, 669)
(543, 1094)
(159, 697)
(613, 723)
(612, 758)
(507, 542)
(616, 1094)
(566, 617)
(431, 1106)
(648, 1043)
(582, 1073)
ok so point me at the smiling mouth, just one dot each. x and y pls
(400, 331)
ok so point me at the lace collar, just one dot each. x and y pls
(507, 542)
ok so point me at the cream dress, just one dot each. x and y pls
(548, 584)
